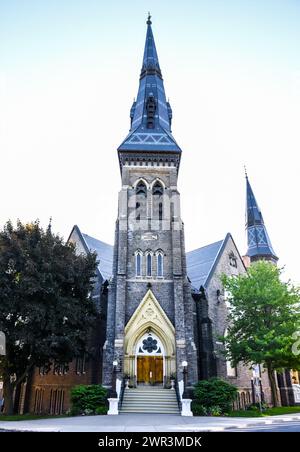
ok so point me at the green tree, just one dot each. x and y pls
(45, 309)
(264, 314)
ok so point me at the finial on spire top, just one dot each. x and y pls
(246, 175)
(149, 19)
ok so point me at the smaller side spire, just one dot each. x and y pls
(259, 243)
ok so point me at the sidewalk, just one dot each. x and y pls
(142, 423)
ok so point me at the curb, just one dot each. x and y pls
(266, 422)
(249, 425)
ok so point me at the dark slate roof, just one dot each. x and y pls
(259, 243)
(202, 261)
(158, 138)
(104, 254)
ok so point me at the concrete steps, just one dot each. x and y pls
(149, 400)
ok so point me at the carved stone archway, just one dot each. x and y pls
(149, 316)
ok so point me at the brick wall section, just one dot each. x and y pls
(65, 382)
(57, 382)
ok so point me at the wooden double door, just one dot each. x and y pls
(150, 369)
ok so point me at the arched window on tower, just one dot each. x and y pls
(150, 108)
(157, 192)
(157, 189)
(138, 263)
(141, 189)
(149, 264)
(160, 211)
(160, 264)
(141, 201)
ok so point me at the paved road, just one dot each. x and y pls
(154, 423)
(291, 426)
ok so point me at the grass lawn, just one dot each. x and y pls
(268, 412)
(26, 417)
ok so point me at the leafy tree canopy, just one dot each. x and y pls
(264, 316)
(46, 311)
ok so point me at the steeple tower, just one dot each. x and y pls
(259, 243)
(150, 114)
(149, 295)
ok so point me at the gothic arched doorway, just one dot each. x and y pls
(154, 361)
(149, 360)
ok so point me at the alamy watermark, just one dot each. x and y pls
(149, 212)
(296, 344)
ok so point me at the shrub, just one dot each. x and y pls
(256, 407)
(198, 410)
(86, 399)
(215, 394)
(215, 411)
(101, 410)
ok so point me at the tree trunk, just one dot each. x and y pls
(8, 392)
(17, 398)
(273, 385)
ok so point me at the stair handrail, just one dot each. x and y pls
(178, 394)
(122, 390)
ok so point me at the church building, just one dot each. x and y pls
(161, 310)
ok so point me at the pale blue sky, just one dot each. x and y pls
(69, 71)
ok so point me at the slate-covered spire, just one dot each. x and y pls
(151, 113)
(150, 59)
(259, 243)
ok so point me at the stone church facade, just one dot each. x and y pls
(160, 309)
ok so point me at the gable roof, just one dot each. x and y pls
(104, 253)
(103, 250)
(202, 262)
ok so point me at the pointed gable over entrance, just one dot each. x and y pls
(149, 314)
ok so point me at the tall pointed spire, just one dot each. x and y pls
(259, 243)
(150, 59)
(150, 114)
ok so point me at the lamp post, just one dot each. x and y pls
(113, 400)
(184, 365)
(185, 401)
(114, 379)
